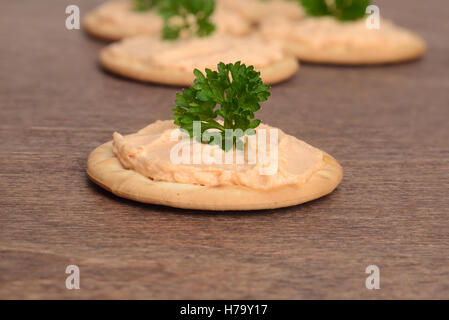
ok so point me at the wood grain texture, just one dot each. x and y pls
(388, 126)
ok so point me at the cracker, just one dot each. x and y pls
(135, 58)
(127, 67)
(104, 169)
(358, 56)
(102, 22)
(326, 40)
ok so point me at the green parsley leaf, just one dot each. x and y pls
(237, 90)
(344, 10)
(193, 16)
(315, 7)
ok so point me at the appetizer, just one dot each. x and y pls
(214, 154)
(336, 32)
(189, 42)
(118, 19)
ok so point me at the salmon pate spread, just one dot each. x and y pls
(188, 54)
(325, 32)
(150, 152)
(131, 22)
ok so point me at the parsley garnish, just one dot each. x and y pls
(192, 16)
(343, 10)
(238, 98)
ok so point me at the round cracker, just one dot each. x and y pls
(412, 50)
(127, 67)
(111, 30)
(105, 170)
(106, 31)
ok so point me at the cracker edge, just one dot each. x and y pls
(276, 72)
(104, 169)
(367, 56)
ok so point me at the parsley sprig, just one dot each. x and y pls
(236, 89)
(344, 10)
(193, 16)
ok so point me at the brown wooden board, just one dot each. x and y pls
(388, 126)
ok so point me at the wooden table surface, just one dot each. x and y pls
(388, 126)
